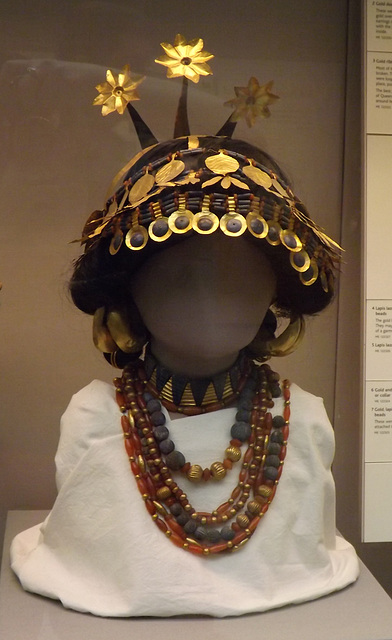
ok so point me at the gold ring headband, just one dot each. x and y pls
(204, 190)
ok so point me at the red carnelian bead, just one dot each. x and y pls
(236, 493)
(286, 393)
(285, 432)
(265, 508)
(161, 525)
(253, 523)
(223, 507)
(141, 485)
(268, 420)
(236, 443)
(150, 506)
(129, 446)
(177, 540)
(236, 527)
(206, 474)
(136, 443)
(125, 424)
(120, 399)
(175, 527)
(248, 456)
(195, 549)
(135, 468)
(252, 438)
(286, 413)
(283, 452)
(139, 386)
(243, 475)
(279, 472)
(141, 402)
(227, 463)
(186, 467)
(217, 548)
(239, 537)
(150, 486)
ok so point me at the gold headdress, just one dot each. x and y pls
(198, 188)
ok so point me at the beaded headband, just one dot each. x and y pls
(203, 190)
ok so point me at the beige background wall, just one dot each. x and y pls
(58, 155)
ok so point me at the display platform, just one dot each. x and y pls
(362, 611)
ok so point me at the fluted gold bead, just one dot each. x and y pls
(242, 520)
(254, 507)
(195, 473)
(218, 471)
(264, 491)
(163, 493)
(233, 453)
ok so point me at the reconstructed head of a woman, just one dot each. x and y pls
(189, 192)
(172, 225)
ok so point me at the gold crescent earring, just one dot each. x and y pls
(287, 342)
(111, 333)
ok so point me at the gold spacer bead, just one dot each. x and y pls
(230, 500)
(254, 507)
(233, 453)
(242, 520)
(225, 518)
(188, 507)
(185, 545)
(218, 471)
(247, 486)
(145, 431)
(168, 533)
(203, 520)
(195, 473)
(154, 516)
(163, 493)
(264, 491)
(150, 440)
(229, 544)
(183, 496)
(240, 504)
(206, 551)
(213, 519)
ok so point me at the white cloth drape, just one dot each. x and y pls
(99, 551)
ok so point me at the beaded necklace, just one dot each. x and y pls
(201, 532)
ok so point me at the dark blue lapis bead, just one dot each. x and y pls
(276, 391)
(241, 431)
(200, 533)
(148, 396)
(182, 519)
(271, 473)
(243, 415)
(160, 227)
(246, 394)
(276, 436)
(278, 422)
(245, 403)
(153, 405)
(213, 535)
(227, 532)
(274, 448)
(190, 526)
(175, 460)
(176, 509)
(161, 433)
(272, 461)
(166, 446)
(158, 418)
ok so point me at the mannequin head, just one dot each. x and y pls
(203, 294)
(203, 300)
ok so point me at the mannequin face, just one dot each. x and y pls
(203, 300)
